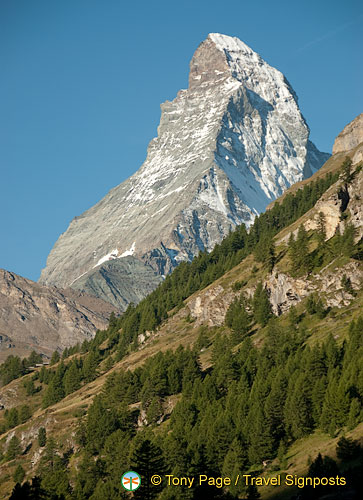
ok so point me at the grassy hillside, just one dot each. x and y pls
(186, 377)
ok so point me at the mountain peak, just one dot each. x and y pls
(226, 147)
(231, 44)
(216, 57)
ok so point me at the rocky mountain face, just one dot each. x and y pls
(350, 137)
(226, 147)
(137, 279)
(41, 318)
(210, 305)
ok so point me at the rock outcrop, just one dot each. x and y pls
(350, 137)
(43, 318)
(226, 147)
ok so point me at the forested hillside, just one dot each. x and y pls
(159, 392)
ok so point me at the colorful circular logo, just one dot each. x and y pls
(131, 480)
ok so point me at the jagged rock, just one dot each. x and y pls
(350, 137)
(334, 202)
(226, 146)
(46, 318)
(209, 307)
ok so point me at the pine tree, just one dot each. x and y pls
(101, 422)
(297, 411)
(147, 459)
(261, 305)
(347, 449)
(72, 378)
(14, 448)
(24, 413)
(321, 228)
(55, 391)
(42, 437)
(19, 474)
(302, 258)
(346, 168)
(55, 358)
(90, 366)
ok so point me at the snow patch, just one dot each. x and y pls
(112, 255)
(129, 252)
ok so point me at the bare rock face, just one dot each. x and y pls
(350, 137)
(226, 147)
(334, 202)
(120, 281)
(40, 318)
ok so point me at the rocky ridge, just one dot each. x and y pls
(226, 147)
(44, 319)
(350, 137)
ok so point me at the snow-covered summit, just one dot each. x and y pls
(226, 147)
(230, 44)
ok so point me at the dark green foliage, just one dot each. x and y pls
(55, 358)
(299, 252)
(347, 284)
(19, 474)
(252, 493)
(203, 340)
(265, 252)
(101, 422)
(55, 391)
(12, 418)
(261, 305)
(314, 305)
(42, 437)
(347, 449)
(14, 448)
(147, 459)
(53, 471)
(90, 366)
(32, 491)
(238, 319)
(24, 413)
(11, 369)
(346, 169)
(321, 233)
(323, 467)
(72, 377)
(30, 387)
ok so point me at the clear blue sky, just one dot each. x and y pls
(82, 82)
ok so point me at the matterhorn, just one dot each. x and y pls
(226, 147)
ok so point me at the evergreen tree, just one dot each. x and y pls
(42, 437)
(14, 449)
(297, 411)
(55, 391)
(302, 261)
(19, 474)
(346, 169)
(24, 413)
(347, 449)
(261, 305)
(90, 366)
(321, 228)
(101, 422)
(55, 358)
(147, 459)
(12, 417)
(72, 378)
